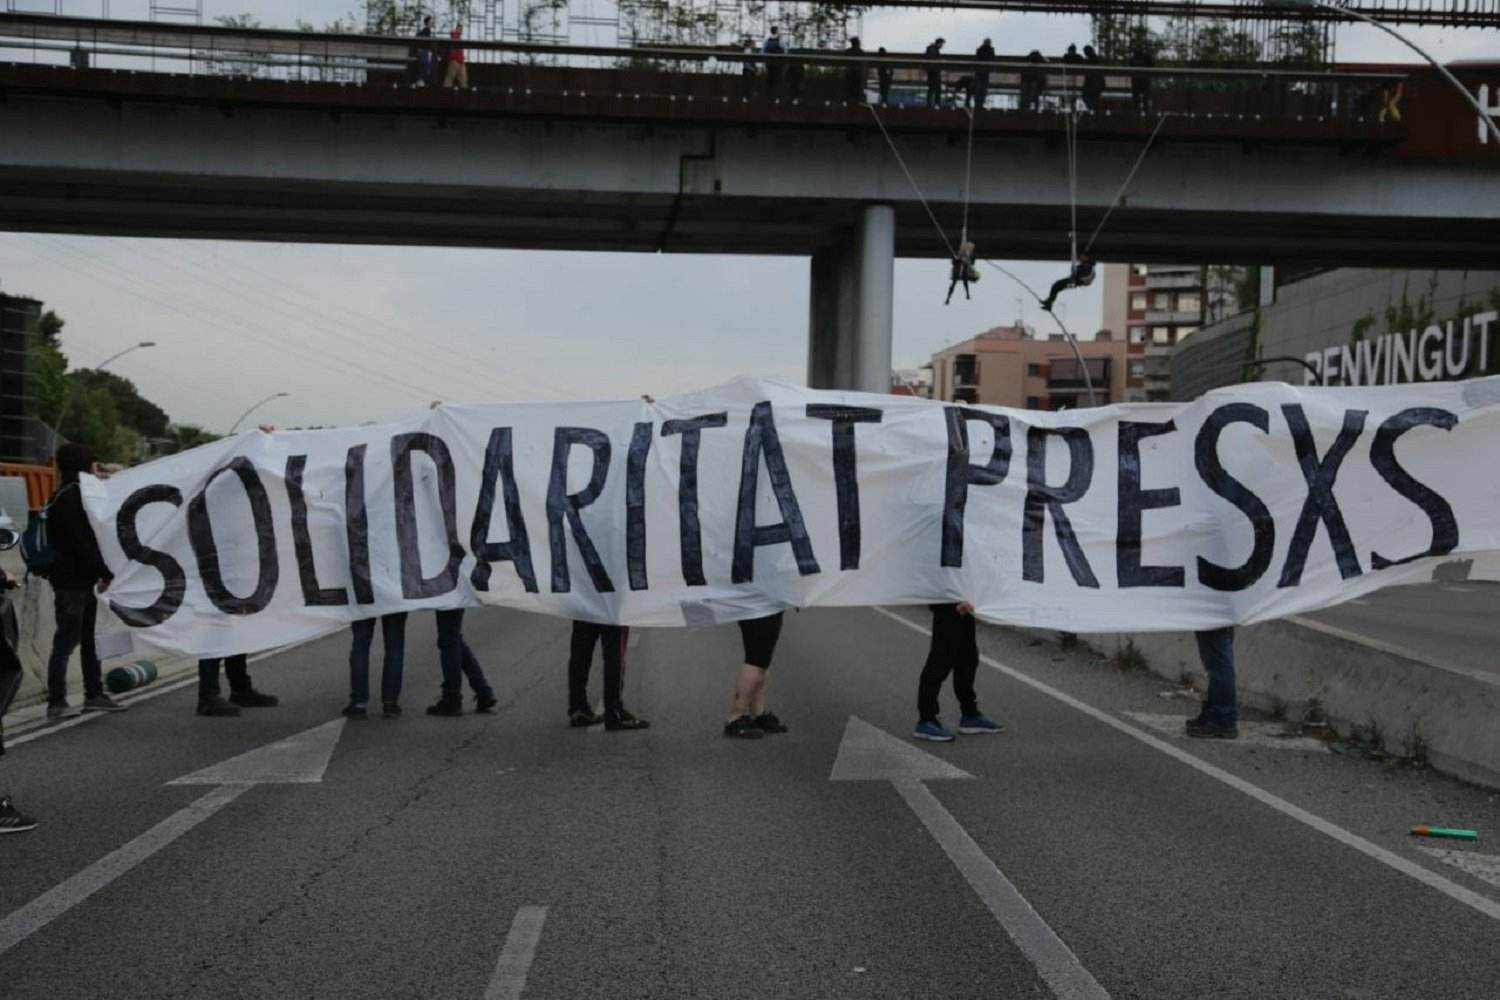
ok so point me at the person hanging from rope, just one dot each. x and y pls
(963, 270)
(1081, 276)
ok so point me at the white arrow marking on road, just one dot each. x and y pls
(298, 760)
(868, 753)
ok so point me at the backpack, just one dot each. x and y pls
(37, 550)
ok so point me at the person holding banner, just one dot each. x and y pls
(1218, 719)
(242, 694)
(393, 634)
(612, 639)
(749, 719)
(954, 650)
(458, 661)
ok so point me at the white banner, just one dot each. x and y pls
(1247, 504)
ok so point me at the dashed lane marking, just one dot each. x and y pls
(509, 979)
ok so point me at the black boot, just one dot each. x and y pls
(447, 705)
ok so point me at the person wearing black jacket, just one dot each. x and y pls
(75, 575)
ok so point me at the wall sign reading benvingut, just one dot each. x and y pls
(1455, 348)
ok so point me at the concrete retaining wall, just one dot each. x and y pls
(1451, 713)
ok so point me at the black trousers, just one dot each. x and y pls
(954, 650)
(612, 639)
(235, 669)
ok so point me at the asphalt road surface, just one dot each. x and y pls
(1448, 622)
(1086, 852)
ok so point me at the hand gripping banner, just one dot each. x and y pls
(1247, 504)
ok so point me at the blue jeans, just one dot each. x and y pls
(457, 659)
(76, 612)
(1216, 650)
(393, 635)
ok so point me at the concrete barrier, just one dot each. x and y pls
(1412, 705)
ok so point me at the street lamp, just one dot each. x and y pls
(263, 402)
(68, 399)
(1484, 116)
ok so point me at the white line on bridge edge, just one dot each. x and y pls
(1055, 962)
(62, 897)
(509, 980)
(1453, 890)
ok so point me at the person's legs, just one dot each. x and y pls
(210, 702)
(965, 654)
(237, 672)
(450, 640)
(393, 636)
(580, 660)
(484, 695)
(942, 655)
(67, 607)
(361, 635)
(1216, 650)
(750, 687)
(612, 640)
(981, 90)
(88, 655)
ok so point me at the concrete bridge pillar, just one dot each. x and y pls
(850, 307)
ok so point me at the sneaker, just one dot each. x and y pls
(580, 718)
(743, 727)
(254, 699)
(625, 721)
(61, 710)
(390, 709)
(1206, 729)
(931, 729)
(978, 725)
(102, 703)
(218, 707)
(12, 820)
(356, 711)
(768, 723)
(484, 704)
(446, 706)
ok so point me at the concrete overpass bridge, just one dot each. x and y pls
(117, 128)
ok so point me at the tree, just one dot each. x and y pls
(182, 437)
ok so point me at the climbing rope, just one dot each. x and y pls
(1088, 382)
(913, 182)
(1128, 178)
(968, 173)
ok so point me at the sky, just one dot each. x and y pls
(352, 333)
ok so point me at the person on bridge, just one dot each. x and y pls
(934, 75)
(1093, 80)
(1218, 719)
(981, 89)
(884, 75)
(458, 72)
(1081, 276)
(774, 66)
(458, 661)
(424, 52)
(749, 718)
(854, 75)
(1033, 81)
(747, 68)
(954, 650)
(1070, 60)
(613, 640)
(77, 573)
(393, 634)
(1140, 83)
(242, 693)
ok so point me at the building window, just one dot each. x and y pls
(1137, 334)
(1137, 370)
(1138, 301)
(1189, 302)
(1161, 335)
(1035, 371)
(1139, 269)
(1185, 331)
(1161, 301)
(1033, 403)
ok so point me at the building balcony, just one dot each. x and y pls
(1166, 282)
(1173, 317)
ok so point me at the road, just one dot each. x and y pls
(1454, 623)
(508, 855)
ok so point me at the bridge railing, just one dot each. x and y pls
(803, 76)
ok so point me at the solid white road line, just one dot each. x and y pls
(509, 980)
(1447, 887)
(1054, 960)
(58, 900)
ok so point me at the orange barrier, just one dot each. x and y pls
(41, 481)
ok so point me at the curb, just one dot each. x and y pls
(28, 714)
(1413, 706)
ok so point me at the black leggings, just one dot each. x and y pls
(759, 636)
